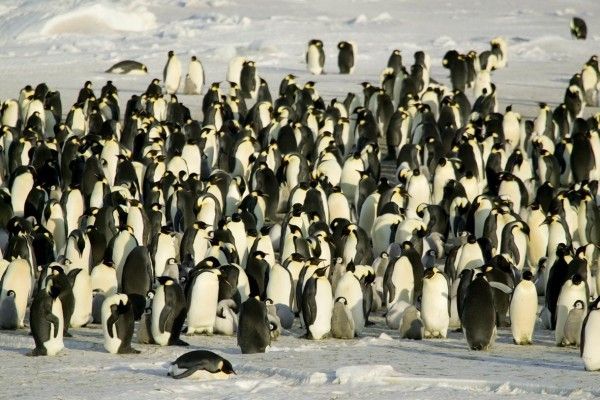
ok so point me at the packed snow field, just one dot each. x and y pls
(70, 42)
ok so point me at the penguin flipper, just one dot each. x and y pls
(188, 372)
(53, 319)
(109, 325)
(166, 318)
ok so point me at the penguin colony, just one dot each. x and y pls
(272, 210)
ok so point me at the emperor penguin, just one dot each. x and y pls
(201, 364)
(573, 324)
(590, 341)
(203, 295)
(82, 292)
(172, 73)
(435, 304)
(411, 326)
(9, 317)
(572, 290)
(254, 330)
(478, 316)
(523, 310)
(118, 324)
(317, 305)
(46, 320)
(346, 57)
(17, 279)
(315, 57)
(349, 288)
(194, 80)
(342, 322)
(578, 28)
(168, 312)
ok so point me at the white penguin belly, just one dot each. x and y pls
(591, 348)
(314, 66)
(404, 281)
(55, 344)
(158, 303)
(82, 291)
(434, 308)
(203, 306)
(324, 300)
(523, 312)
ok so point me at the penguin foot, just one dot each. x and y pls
(179, 342)
(37, 352)
(130, 350)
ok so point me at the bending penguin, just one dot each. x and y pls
(201, 364)
(46, 319)
(118, 324)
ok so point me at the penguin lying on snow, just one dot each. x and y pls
(128, 67)
(201, 364)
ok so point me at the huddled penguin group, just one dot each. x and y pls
(273, 209)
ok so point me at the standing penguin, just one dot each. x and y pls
(194, 80)
(81, 285)
(202, 298)
(572, 330)
(523, 310)
(118, 324)
(317, 305)
(435, 304)
(590, 340)
(342, 323)
(254, 333)
(172, 73)
(315, 57)
(16, 279)
(9, 317)
(478, 316)
(168, 312)
(46, 319)
(346, 57)
(572, 290)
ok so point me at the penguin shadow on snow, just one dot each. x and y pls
(492, 356)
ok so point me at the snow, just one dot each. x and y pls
(66, 42)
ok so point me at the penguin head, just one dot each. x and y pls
(342, 300)
(10, 293)
(226, 367)
(430, 273)
(577, 279)
(527, 275)
(578, 305)
(165, 280)
(171, 53)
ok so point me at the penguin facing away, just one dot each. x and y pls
(478, 314)
(253, 334)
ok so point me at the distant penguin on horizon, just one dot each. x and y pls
(315, 57)
(172, 73)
